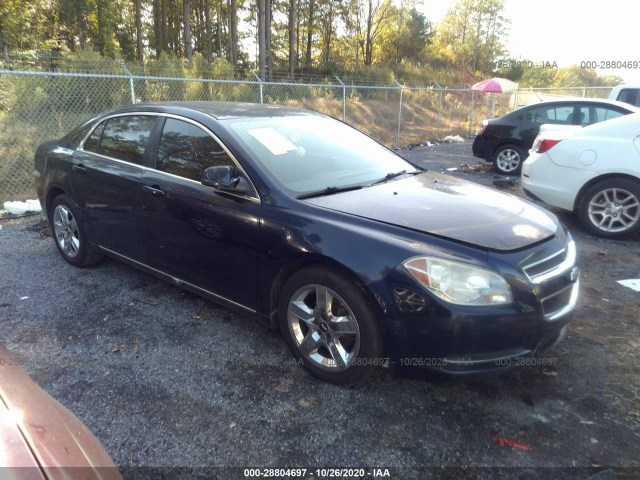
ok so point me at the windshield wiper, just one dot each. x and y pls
(392, 175)
(328, 191)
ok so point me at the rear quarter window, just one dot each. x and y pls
(76, 136)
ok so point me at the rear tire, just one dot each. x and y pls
(330, 325)
(611, 208)
(508, 160)
(69, 233)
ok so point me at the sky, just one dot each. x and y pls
(568, 32)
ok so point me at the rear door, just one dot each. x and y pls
(555, 113)
(106, 179)
(198, 234)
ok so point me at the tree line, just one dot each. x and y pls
(271, 36)
(288, 35)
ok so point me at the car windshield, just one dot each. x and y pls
(314, 154)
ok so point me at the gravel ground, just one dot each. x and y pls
(166, 379)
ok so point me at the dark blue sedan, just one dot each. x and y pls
(359, 257)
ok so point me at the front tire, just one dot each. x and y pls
(69, 234)
(508, 160)
(611, 208)
(330, 326)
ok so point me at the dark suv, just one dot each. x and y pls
(506, 140)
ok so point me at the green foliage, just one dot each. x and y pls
(4, 94)
(167, 65)
(414, 36)
(24, 25)
(471, 33)
(376, 75)
(393, 38)
(538, 77)
(218, 69)
(572, 76)
(26, 103)
(575, 76)
(87, 94)
(403, 45)
(89, 61)
(404, 38)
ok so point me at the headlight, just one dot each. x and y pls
(459, 283)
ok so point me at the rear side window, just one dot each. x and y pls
(590, 115)
(186, 150)
(124, 138)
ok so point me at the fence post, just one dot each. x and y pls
(399, 115)
(260, 81)
(471, 112)
(344, 99)
(131, 87)
(439, 112)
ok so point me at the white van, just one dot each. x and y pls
(626, 93)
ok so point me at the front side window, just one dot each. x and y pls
(186, 150)
(124, 138)
(562, 115)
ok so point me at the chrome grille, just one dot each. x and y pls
(556, 277)
(543, 266)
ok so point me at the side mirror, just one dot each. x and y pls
(223, 178)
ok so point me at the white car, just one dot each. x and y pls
(594, 171)
(626, 93)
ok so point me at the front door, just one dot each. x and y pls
(198, 234)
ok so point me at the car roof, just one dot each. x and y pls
(617, 88)
(218, 110)
(602, 101)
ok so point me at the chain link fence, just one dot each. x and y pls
(36, 106)
(527, 96)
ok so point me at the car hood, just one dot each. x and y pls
(36, 431)
(451, 208)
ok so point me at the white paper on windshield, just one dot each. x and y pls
(274, 141)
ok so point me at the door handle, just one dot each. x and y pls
(79, 168)
(154, 190)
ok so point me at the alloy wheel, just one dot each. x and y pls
(65, 229)
(508, 160)
(324, 328)
(614, 210)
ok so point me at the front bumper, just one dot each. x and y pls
(425, 334)
(473, 345)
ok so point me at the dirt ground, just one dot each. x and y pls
(180, 386)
